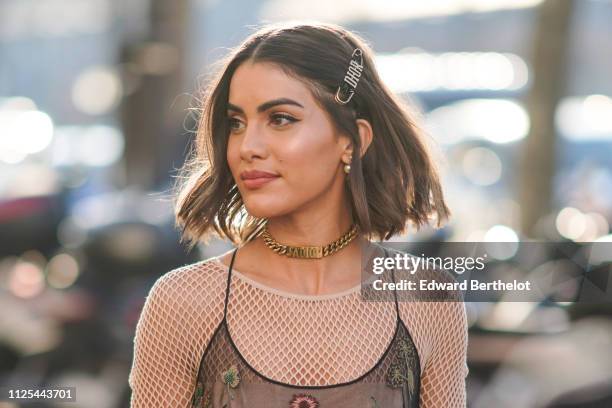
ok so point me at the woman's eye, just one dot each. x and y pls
(281, 119)
(234, 124)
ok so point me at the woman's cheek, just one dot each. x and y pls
(279, 202)
(233, 158)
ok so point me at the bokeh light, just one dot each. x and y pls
(418, 71)
(501, 242)
(70, 234)
(62, 271)
(26, 280)
(23, 132)
(482, 166)
(97, 90)
(364, 10)
(583, 118)
(571, 223)
(503, 121)
(96, 145)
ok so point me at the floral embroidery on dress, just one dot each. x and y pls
(303, 401)
(396, 375)
(201, 397)
(231, 379)
(400, 373)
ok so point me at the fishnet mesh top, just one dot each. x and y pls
(300, 345)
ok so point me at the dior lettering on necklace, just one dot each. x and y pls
(309, 252)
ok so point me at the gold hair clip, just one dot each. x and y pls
(347, 89)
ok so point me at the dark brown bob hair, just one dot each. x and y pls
(394, 183)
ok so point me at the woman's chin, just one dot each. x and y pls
(266, 209)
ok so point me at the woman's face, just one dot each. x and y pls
(283, 151)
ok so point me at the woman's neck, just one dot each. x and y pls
(327, 275)
(315, 232)
(316, 224)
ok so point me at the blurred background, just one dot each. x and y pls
(94, 123)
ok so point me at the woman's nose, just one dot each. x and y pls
(253, 144)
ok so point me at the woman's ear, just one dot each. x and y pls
(365, 134)
(347, 154)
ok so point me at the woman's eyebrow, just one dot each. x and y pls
(266, 105)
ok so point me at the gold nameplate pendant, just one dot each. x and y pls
(305, 252)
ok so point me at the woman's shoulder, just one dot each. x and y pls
(433, 316)
(177, 322)
(192, 285)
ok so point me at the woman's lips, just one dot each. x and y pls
(253, 183)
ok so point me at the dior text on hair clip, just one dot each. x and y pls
(347, 89)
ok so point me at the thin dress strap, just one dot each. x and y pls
(394, 289)
(227, 289)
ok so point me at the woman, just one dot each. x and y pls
(303, 157)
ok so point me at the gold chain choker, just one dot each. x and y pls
(308, 251)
